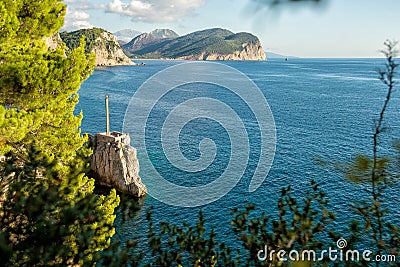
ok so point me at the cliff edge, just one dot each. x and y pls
(100, 42)
(114, 163)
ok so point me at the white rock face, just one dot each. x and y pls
(114, 163)
(106, 48)
(54, 41)
(248, 52)
(108, 51)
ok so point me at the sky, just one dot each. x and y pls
(335, 28)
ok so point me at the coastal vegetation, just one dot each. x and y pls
(73, 39)
(50, 215)
(99, 42)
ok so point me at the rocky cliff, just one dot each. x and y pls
(108, 51)
(210, 44)
(114, 163)
(248, 52)
(100, 42)
(54, 41)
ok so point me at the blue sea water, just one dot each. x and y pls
(323, 109)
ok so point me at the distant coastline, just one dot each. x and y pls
(209, 44)
(271, 55)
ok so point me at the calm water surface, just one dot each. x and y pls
(323, 108)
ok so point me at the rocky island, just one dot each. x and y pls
(210, 44)
(114, 163)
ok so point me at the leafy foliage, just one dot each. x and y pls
(48, 212)
(378, 172)
(35, 19)
(298, 226)
(183, 246)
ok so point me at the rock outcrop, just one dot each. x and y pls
(54, 41)
(114, 163)
(100, 42)
(108, 51)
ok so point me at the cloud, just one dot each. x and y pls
(76, 18)
(154, 10)
(79, 15)
(81, 24)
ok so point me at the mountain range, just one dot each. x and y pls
(148, 39)
(126, 35)
(275, 55)
(210, 44)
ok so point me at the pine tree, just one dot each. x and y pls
(48, 212)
